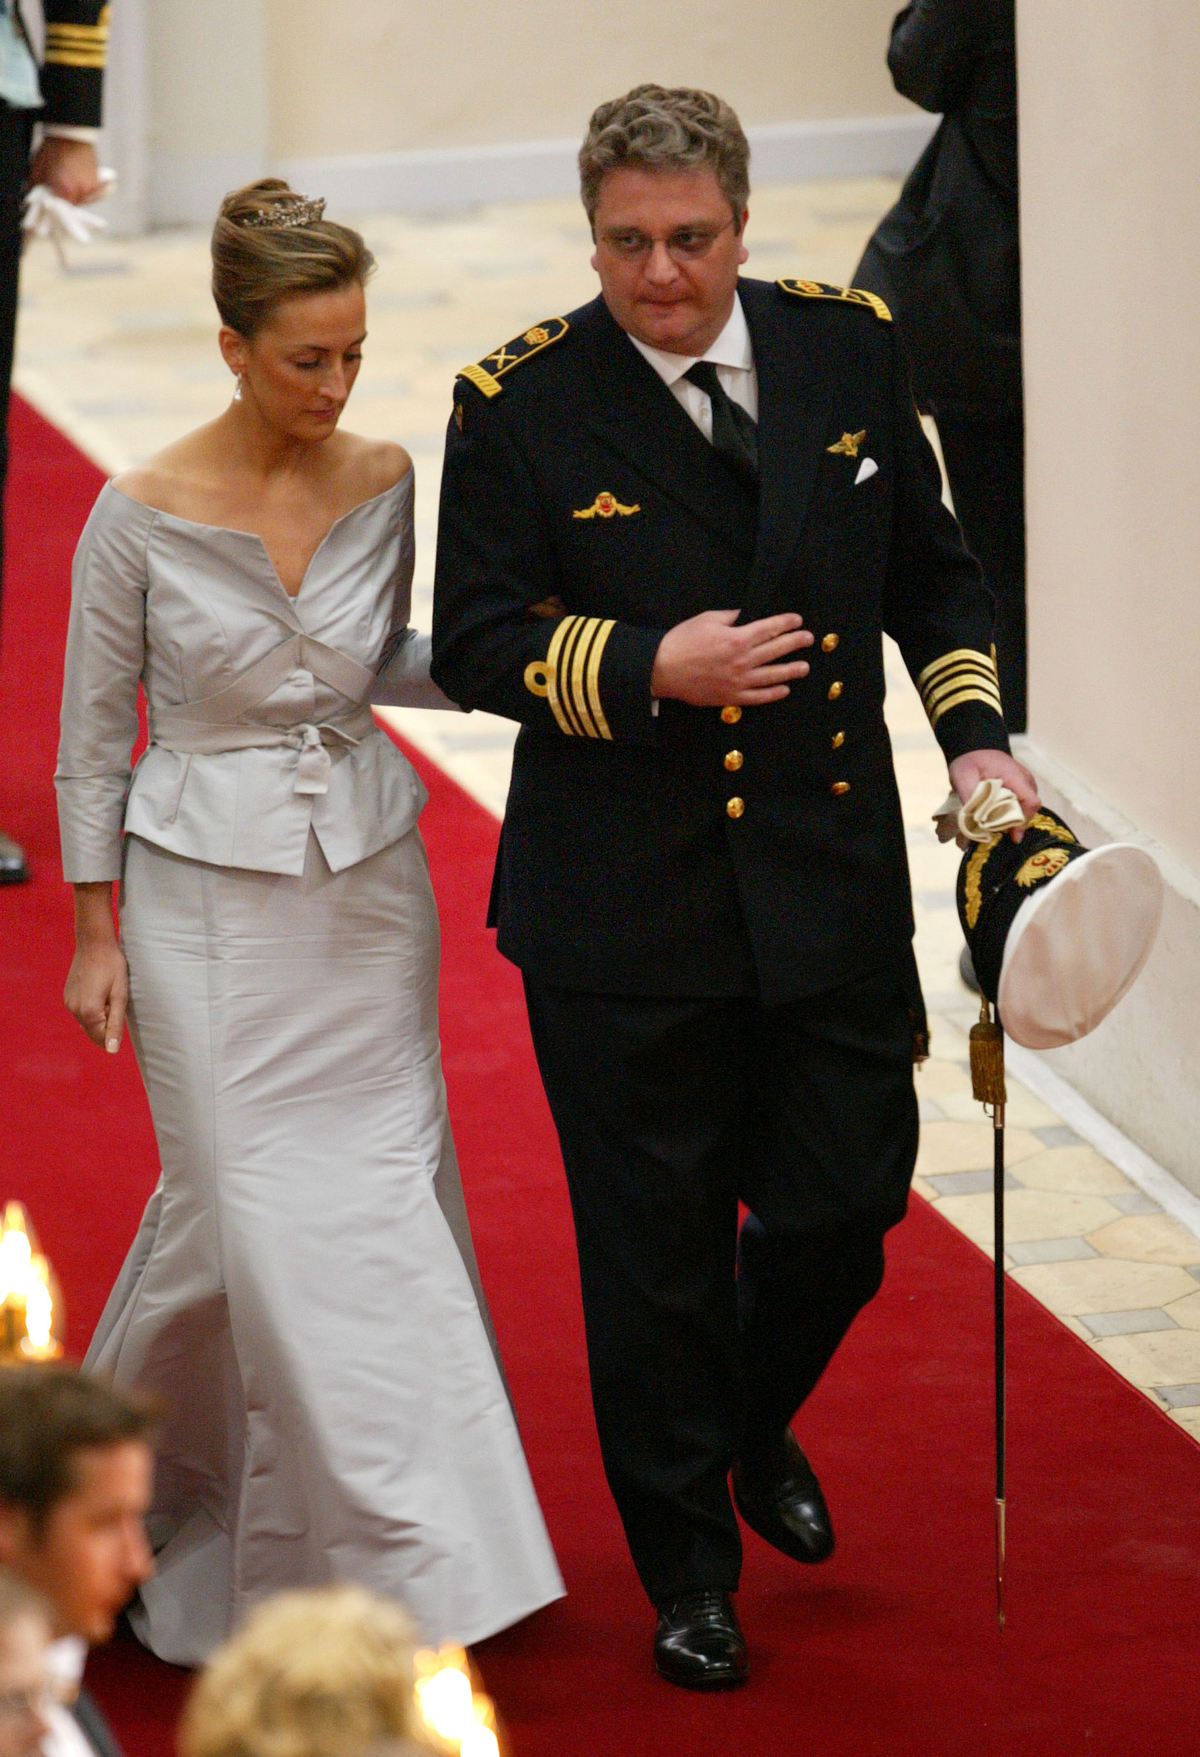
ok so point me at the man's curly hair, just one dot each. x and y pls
(666, 128)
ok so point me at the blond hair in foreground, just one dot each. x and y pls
(311, 1674)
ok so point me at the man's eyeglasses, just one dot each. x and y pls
(686, 245)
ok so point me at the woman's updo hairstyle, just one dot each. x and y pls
(270, 244)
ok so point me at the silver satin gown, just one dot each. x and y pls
(302, 1292)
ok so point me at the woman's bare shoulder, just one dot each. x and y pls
(171, 479)
(378, 464)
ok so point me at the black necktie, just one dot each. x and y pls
(734, 432)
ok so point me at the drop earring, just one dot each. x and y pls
(237, 389)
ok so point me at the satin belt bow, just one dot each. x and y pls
(314, 765)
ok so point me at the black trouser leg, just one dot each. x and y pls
(797, 1297)
(985, 462)
(650, 1150)
(16, 126)
(832, 1147)
(667, 1111)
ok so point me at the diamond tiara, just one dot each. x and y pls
(297, 213)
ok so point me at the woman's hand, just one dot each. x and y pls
(97, 991)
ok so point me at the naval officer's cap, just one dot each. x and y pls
(1058, 933)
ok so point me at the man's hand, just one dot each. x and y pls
(68, 168)
(966, 772)
(711, 664)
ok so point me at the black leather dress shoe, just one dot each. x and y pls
(699, 1642)
(781, 1499)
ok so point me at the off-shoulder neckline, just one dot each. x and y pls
(158, 512)
(233, 530)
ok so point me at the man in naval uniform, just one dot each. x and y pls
(62, 100)
(674, 527)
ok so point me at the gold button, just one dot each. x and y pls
(734, 760)
(835, 690)
(731, 715)
(838, 739)
(736, 807)
(829, 643)
(840, 787)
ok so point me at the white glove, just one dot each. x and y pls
(991, 810)
(47, 215)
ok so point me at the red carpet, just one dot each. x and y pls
(891, 1650)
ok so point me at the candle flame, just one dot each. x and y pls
(27, 1305)
(460, 1718)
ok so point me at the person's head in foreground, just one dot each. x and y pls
(665, 178)
(24, 1637)
(76, 1470)
(311, 1674)
(289, 285)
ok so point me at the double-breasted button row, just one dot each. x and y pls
(836, 742)
(734, 759)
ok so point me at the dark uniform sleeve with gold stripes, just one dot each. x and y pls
(502, 638)
(72, 76)
(936, 606)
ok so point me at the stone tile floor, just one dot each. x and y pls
(119, 350)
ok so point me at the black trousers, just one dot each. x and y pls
(702, 1346)
(16, 128)
(985, 462)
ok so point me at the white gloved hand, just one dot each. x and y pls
(991, 810)
(47, 215)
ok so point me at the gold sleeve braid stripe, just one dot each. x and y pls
(964, 675)
(78, 45)
(572, 675)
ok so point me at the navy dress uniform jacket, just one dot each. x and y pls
(72, 71)
(701, 851)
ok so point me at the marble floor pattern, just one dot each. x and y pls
(118, 348)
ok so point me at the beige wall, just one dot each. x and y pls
(368, 76)
(1110, 151)
(391, 104)
(1110, 192)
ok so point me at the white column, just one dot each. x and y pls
(1110, 225)
(125, 142)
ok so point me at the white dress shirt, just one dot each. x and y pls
(733, 357)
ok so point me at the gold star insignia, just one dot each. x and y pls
(847, 446)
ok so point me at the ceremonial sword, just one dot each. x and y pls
(987, 1084)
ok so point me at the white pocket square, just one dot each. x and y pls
(866, 470)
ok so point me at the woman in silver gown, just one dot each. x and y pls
(302, 1293)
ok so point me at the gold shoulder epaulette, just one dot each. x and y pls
(486, 375)
(848, 295)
